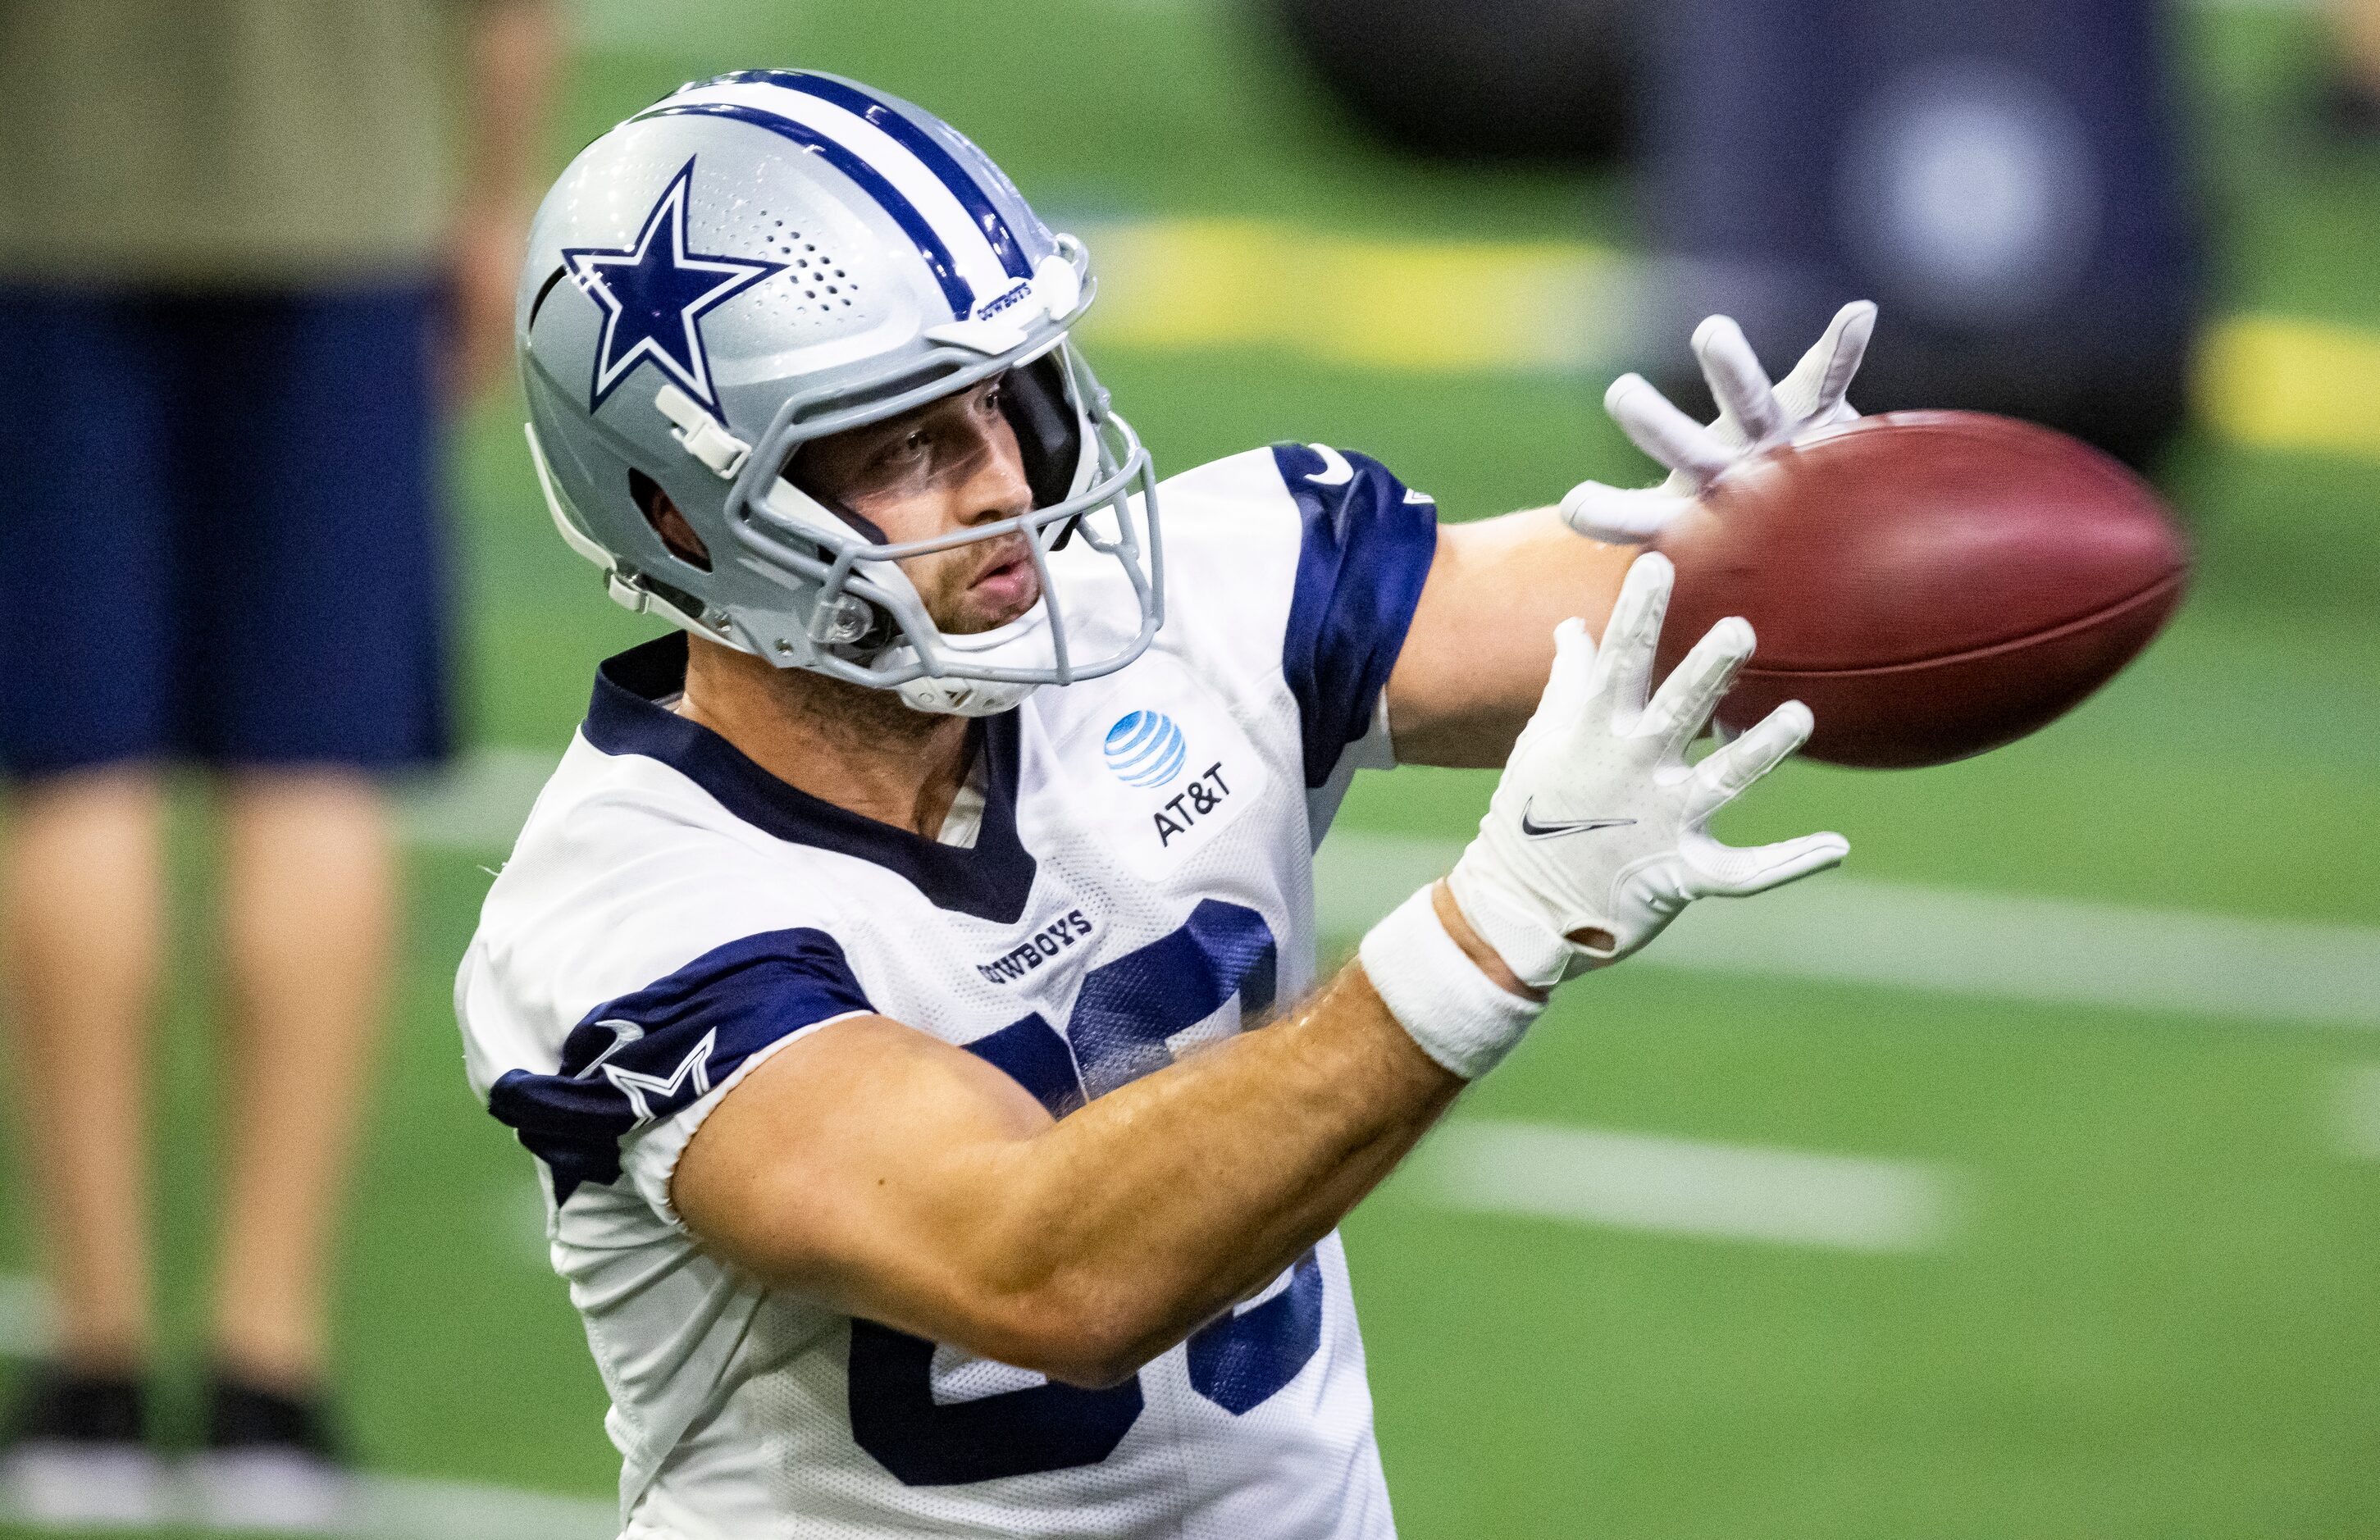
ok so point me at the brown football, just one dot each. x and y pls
(1932, 584)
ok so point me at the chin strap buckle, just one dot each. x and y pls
(701, 434)
(625, 592)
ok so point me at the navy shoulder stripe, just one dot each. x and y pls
(644, 1055)
(1364, 557)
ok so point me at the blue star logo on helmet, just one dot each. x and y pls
(657, 275)
(1145, 749)
(654, 295)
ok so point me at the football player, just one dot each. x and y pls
(877, 982)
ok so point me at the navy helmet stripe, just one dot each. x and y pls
(928, 149)
(956, 289)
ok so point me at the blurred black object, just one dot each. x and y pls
(2351, 110)
(2003, 177)
(1505, 79)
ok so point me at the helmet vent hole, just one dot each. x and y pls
(668, 524)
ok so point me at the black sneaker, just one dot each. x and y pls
(2351, 110)
(271, 1463)
(74, 1453)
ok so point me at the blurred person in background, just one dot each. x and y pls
(2355, 94)
(2008, 180)
(237, 281)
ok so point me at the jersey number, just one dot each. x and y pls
(1126, 1012)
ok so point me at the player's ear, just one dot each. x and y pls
(667, 522)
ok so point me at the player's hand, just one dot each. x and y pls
(1754, 417)
(1596, 835)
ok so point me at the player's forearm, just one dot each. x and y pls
(892, 1177)
(1107, 1237)
(1479, 646)
(1194, 1186)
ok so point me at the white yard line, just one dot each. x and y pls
(516, 1216)
(24, 1317)
(1685, 1187)
(407, 1507)
(2059, 951)
(479, 804)
(1833, 928)
(2355, 1111)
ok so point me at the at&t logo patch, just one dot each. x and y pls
(1159, 774)
(1145, 749)
(1197, 800)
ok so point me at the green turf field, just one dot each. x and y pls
(2154, 1314)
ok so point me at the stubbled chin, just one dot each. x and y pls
(988, 606)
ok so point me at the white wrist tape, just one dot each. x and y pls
(1460, 1017)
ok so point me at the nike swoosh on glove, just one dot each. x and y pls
(1597, 836)
(1754, 417)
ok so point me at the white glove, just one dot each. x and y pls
(1596, 838)
(1754, 417)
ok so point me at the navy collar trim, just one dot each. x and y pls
(991, 880)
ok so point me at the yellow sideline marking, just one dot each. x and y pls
(2278, 382)
(1452, 307)
(1418, 307)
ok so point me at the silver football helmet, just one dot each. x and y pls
(774, 256)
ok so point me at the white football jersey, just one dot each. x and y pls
(1132, 877)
